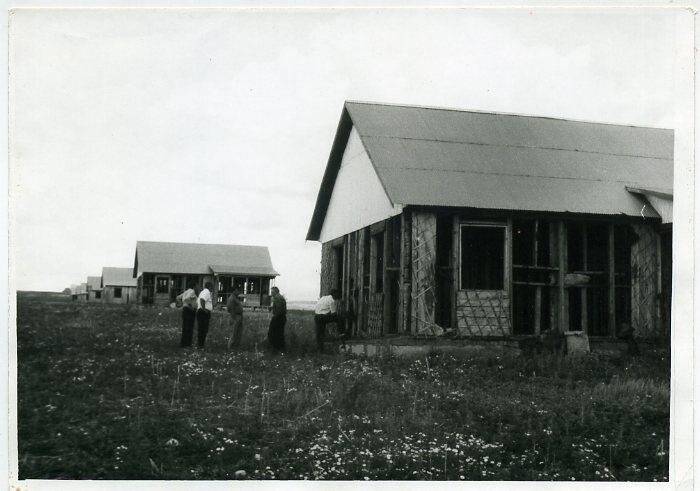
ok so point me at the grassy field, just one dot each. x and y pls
(105, 393)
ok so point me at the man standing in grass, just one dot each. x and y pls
(275, 334)
(189, 312)
(204, 314)
(235, 310)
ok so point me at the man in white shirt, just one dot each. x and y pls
(326, 311)
(204, 313)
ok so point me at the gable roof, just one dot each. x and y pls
(118, 277)
(445, 157)
(186, 258)
(94, 282)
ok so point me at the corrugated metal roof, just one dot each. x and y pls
(185, 258)
(445, 157)
(94, 282)
(118, 277)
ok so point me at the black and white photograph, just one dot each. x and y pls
(357, 244)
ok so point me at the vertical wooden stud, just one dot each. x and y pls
(611, 281)
(508, 272)
(455, 262)
(562, 314)
(584, 291)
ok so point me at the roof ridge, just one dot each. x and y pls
(500, 113)
(198, 243)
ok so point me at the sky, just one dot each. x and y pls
(215, 126)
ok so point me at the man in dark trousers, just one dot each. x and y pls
(204, 314)
(189, 312)
(235, 310)
(326, 312)
(279, 318)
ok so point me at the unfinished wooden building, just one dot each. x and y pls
(118, 285)
(94, 288)
(463, 224)
(164, 269)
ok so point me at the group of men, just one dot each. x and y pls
(197, 306)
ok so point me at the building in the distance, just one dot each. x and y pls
(94, 288)
(80, 292)
(164, 269)
(118, 285)
(438, 222)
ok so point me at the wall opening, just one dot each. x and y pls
(588, 286)
(534, 276)
(482, 256)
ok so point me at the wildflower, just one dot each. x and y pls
(172, 442)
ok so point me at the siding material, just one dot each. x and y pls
(358, 197)
(645, 305)
(483, 313)
(423, 273)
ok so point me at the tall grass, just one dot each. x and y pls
(104, 392)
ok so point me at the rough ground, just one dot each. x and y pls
(104, 393)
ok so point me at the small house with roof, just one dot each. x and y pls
(164, 269)
(475, 225)
(118, 285)
(80, 292)
(94, 288)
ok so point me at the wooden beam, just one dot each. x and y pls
(455, 263)
(361, 279)
(552, 262)
(584, 293)
(562, 311)
(611, 281)
(538, 289)
(535, 242)
(386, 308)
(658, 328)
(405, 275)
(377, 227)
(508, 272)
(538, 309)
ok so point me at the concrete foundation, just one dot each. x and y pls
(419, 347)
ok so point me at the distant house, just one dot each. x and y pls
(164, 269)
(80, 292)
(118, 285)
(438, 222)
(94, 288)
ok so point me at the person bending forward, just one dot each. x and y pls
(189, 312)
